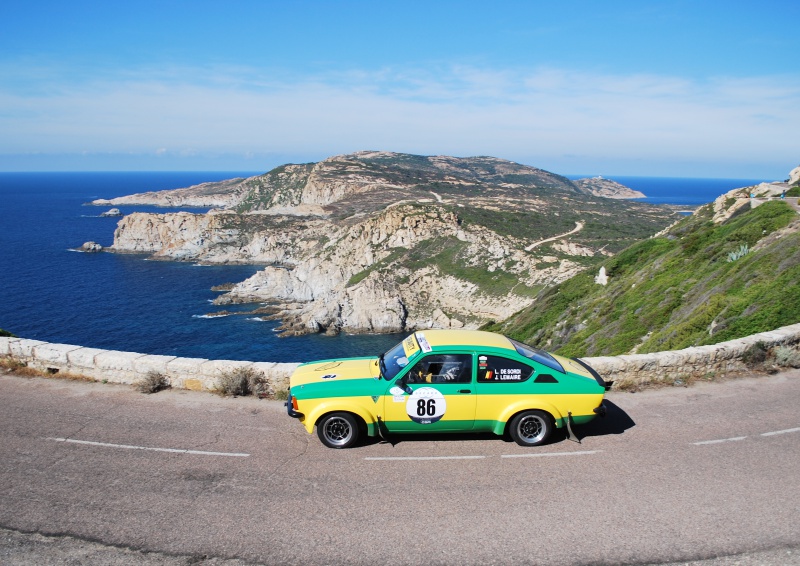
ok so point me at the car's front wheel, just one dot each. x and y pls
(338, 430)
(530, 428)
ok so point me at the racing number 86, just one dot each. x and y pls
(426, 407)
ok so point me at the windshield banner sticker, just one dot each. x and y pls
(426, 405)
(410, 347)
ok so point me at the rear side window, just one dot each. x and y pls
(494, 369)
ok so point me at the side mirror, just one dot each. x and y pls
(402, 383)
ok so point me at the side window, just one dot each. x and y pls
(442, 368)
(494, 369)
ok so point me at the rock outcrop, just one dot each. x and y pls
(91, 247)
(794, 176)
(600, 187)
(728, 204)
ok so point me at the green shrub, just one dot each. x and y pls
(6, 334)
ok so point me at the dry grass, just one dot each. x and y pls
(21, 369)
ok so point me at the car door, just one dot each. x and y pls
(501, 382)
(437, 393)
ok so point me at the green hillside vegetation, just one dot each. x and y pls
(699, 284)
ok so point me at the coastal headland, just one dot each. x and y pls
(376, 242)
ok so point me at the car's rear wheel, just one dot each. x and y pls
(531, 428)
(338, 430)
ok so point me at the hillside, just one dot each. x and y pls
(386, 242)
(730, 270)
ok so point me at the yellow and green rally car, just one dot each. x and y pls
(446, 381)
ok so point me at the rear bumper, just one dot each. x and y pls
(600, 410)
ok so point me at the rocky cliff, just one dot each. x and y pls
(383, 242)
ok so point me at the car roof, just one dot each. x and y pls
(437, 337)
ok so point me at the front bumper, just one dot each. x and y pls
(291, 408)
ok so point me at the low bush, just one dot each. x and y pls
(739, 253)
(244, 381)
(6, 334)
(755, 354)
(787, 357)
(153, 382)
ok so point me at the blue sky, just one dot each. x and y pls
(673, 88)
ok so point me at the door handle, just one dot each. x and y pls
(464, 391)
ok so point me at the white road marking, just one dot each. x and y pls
(400, 458)
(130, 447)
(773, 433)
(541, 455)
(548, 454)
(734, 439)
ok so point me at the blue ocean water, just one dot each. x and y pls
(685, 191)
(126, 302)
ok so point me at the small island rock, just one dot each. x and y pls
(112, 212)
(91, 247)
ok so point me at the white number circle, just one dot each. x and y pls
(426, 405)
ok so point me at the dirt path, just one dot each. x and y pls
(578, 228)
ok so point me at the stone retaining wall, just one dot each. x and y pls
(690, 363)
(201, 374)
(129, 367)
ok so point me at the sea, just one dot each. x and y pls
(51, 292)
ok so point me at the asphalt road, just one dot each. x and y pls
(100, 474)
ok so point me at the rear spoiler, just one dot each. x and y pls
(600, 381)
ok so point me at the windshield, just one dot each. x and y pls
(392, 362)
(538, 356)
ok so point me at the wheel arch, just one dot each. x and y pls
(513, 410)
(363, 417)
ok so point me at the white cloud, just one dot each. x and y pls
(542, 113)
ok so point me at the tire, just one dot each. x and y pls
(531, 428)
(338, 430)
